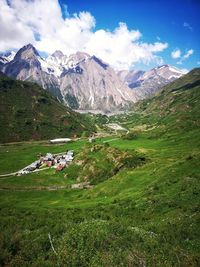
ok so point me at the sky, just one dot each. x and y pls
(127, 34)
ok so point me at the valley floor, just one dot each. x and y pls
(139, 216)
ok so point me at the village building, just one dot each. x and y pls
(59, 161)
(60, 140)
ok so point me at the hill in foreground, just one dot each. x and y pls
(142, 208)
(27, 112)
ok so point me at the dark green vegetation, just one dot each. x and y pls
(100, 162)
(146, 213)
(72, 101)
(28, 112)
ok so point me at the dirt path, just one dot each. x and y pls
(48, 188)
(15, 173)
(35, 188)
(8, 174)
(110, 140)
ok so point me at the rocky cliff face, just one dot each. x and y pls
(130, 77)
(80, 80)
(94, 85)
(7, 57)
(26, 65)
(85, 82)
(148, 83)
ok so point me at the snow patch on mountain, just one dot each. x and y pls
(149, 82)
(7, 57)
(58, 63)
(86, 82)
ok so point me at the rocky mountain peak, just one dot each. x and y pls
(87, 82)
(6, 57)
(58, 54)
(27, 52)
(78, 57)
(82, 54)
(9, 55)
(162, 66)
(165, 71)
(100, 62)
(131, 76)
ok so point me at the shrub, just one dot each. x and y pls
(130, 136)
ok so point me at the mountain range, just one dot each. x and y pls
(148, 83)
(85, 82)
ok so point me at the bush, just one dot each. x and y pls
(130, 136)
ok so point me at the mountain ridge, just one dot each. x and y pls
(148, 83)
(80, 81)
(86, 82)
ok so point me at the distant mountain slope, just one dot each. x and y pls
(175, 108)
(26, 66)
(94, 85)
(146, 84)
(178, 103)
(81, 81)
(29, 112)
(7, 57)
(130, 77)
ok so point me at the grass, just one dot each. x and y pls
(16, 156)
(141, 215)
(146, 215)
(28, 112)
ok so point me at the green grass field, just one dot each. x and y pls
(143, 216)
(142, 208)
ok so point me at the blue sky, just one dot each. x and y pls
(137, 34)
(156, 20)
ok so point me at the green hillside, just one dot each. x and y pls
(28, 112)
(141, 207)
(174, 109)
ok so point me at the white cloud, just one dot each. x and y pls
(176, 53)
(188, 53)
(48, 28)
(187, 25)
(121, 49)
(184, 70)
(13, 32)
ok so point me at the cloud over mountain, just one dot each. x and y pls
(42, 23)
(187, 54)
(176, 53)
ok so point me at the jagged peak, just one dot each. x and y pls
(83, 54)
(27, 51)
(58, 54)
(169, 67)
(162, 66)
(79, 56)
(100, 62)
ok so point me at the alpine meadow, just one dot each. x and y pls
(99, 133)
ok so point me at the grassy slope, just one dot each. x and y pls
(143, 216)
(27, 112)
(174, 110)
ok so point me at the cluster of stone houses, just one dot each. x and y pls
(59, 162)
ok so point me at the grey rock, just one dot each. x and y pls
(146, 84)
